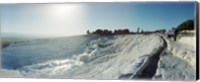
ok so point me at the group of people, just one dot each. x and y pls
(174, 33)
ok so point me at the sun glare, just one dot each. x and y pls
(65, 19)
(62, 10)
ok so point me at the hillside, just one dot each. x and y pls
(101, 57)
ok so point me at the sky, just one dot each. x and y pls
(77, 18)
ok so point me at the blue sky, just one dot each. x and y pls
(73, 19)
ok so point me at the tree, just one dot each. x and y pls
(98, 31)
(88, 32)
(138, 29)
(142, 31)
(126, 31)
(187, 25)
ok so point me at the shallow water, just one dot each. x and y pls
(28, 52)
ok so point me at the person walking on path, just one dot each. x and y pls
(175, 33)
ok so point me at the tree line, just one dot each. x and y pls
(186, 25)
(109, 32)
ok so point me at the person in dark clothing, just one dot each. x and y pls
(175, 31)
